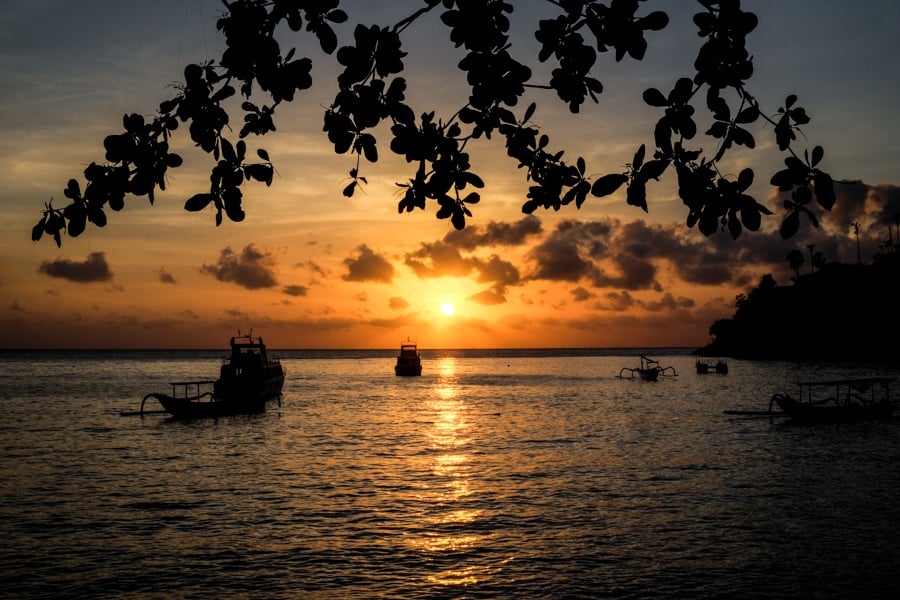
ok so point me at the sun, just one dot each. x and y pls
(447, 308)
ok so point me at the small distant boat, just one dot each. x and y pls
(705, 366)
(409, 362)
(838, 401)
(248, 379)
(650, 370)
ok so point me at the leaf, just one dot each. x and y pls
(818, 154)
(802, 195)
(608, 184)
(783, 180)
(745, 179)
(263, 154)
(719, 129)
(228, 152)
(653, 169)
(654, 97)
(327, 38)
(717, 105)
(97, 216)
(743, 137)
(790, 225)
(73, 190)
(37, 232)
(348, 191)
(198, 202)
(655, 21)
(824, 186)
(734, 228)
(77, 225)
(473, 179)
(637, 194)
(748, 115)
(751, 218)
(458, 219)
(529, 112)
(638, 159)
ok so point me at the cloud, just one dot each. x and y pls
(397, 303)
(489, 297)
(559, 257)
(251, 269)
(439, 259)
(634, 273)
(368, 266)
(93, 269)
(495, 234)
(318, 272)
(165, 276)
(882, 208)
(617, 301)
(295, 290)
(630, 256)
(668, 302)
(580, 294)
(497, 270)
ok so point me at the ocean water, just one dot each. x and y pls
(496, 474)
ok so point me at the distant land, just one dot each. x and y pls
(841, 312)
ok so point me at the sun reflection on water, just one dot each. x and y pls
(449, 519)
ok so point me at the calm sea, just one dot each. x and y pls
(496, 474)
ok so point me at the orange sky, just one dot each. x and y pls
(310, 268)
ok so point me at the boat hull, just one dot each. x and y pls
(648, 374)
(804, 412)
(239, 389)
(190, 408)
(410, 369)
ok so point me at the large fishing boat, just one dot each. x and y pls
(248, 379)
(409, 362)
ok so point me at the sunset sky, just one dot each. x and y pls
(309, 268)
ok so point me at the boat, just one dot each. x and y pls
(838, 401)
(409, 362)
(248, 379)
(649, 370)
(705, 366)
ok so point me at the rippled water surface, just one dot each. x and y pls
(494, 475)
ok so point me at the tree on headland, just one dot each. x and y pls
(795, 261)
(834, 314)
(258, 76)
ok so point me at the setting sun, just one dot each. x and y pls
(447, 308)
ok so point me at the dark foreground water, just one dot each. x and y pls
(494, 475)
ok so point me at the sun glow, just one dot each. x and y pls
(447, 308)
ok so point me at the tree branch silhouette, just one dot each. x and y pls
(372, 92)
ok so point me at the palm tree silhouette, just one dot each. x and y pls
(855, 225)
